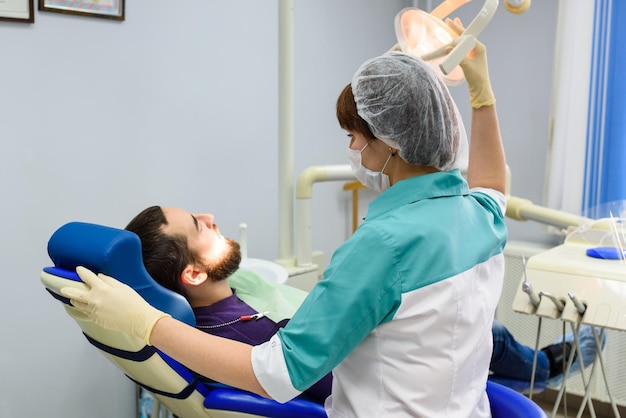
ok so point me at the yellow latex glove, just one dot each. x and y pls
(113, 305)
(476, 71)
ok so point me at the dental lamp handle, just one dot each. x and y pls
(464, 46)
(466, 41)
(461, 46)
(482, 19)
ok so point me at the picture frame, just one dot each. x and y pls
(107, 9)
(22, 11)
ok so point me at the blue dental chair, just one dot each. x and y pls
(117, 253)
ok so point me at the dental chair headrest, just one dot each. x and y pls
(116, 253)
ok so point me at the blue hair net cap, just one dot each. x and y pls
(408, 106)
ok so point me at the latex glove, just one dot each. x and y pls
(476, 71)
(113, 305)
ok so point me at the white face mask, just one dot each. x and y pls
(374, 180)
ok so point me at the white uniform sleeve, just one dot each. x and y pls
(270, 369)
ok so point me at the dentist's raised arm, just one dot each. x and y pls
(487, 162)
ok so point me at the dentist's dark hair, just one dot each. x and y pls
(348, 117)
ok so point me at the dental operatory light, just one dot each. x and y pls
(429, 37)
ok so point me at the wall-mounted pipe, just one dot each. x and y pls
(285, 156)
(285, 129)
(304, 192)
(524, 209)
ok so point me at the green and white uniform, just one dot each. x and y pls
(403, 315)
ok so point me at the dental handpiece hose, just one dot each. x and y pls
(557, 302)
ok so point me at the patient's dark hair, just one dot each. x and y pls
(165, 256)
(348, 116)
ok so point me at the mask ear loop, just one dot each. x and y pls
(391, 154)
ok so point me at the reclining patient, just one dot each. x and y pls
(172, 240)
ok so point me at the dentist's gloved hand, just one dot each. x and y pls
(476, 71)
(113, 305)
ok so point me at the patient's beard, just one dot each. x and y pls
(222, 269)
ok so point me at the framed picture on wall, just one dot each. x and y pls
(17, 11)
(108, 9)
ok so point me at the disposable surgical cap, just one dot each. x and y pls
(408, 106)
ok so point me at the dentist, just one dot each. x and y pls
(403, 315)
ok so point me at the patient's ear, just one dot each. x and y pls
(192, 276)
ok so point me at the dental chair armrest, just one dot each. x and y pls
(231, 399)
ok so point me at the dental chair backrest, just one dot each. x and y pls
(117, 253)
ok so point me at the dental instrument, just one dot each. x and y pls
(527, 287)
(580, 307)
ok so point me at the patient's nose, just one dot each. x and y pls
(206, 218)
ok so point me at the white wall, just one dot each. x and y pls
(177, 106)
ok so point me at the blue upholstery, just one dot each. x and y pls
(507, 403)
(117, 253)
(518, 385)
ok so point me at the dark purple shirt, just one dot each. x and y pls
(222, 319)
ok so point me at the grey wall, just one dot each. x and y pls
(177, 106)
